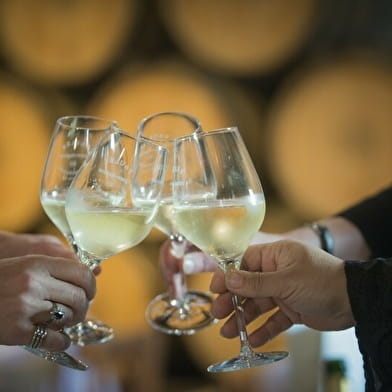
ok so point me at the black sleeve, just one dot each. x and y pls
(369, 286)
(373, 217)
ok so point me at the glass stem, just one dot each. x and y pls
(246, 348)
(86, 259)
(178, 246)
(72, 243)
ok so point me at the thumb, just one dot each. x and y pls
(254, 284)
(195, 262)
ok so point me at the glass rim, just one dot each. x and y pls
(65, 121)
(187, 115)
(209, 133)
(116, 129)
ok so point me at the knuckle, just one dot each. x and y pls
(26, 281)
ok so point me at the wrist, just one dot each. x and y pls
(341, 301)
(325, 239)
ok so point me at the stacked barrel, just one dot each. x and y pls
(309, 84)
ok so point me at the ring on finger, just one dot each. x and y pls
(56, 313)
(39, 335)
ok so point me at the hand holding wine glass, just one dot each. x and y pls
(188, 311)
(219, 205)
(72, 140)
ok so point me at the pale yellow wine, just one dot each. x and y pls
(164, 220)
(55, 210)
(105, 232)
(223, 228)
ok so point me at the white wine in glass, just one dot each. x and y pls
(219, 205)
(72, 140)
(189, 310)
(112, 202)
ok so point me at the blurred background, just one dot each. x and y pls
(308, 82)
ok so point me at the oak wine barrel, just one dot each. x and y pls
(65, 43)
(27, 117)
(235, 37)
(330, 134)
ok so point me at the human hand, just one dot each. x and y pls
(304, 284)
(29, 285)
(19, 244)
(194, 260)
(171, 265)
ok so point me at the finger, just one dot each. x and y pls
(41, 244)
(56, 341)
(50, 245)
(76, 274)
(168, 264)
(274, 325)
(97, 270)
(218, 284)
(196, 262)
(255, 284)
(261, 258)
(254, 309)
(46, 318)
(53, 341)
(50, 290)
(222, 306)
(70, 296)
(251, 311)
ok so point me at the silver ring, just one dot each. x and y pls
(56, 313)
(40, 334)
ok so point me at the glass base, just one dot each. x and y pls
(247, 362)
(59, 357)
(175, 317)
(89, 332)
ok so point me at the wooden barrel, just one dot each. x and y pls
(27, 118)
(167, 85)
(244, 37)
(330, 135)
(61, 42)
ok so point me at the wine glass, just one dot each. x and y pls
(112, 201)
(189, 310)
(72, 140)
(219, 205)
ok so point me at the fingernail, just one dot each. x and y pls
(193, 262)
(234, 279)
